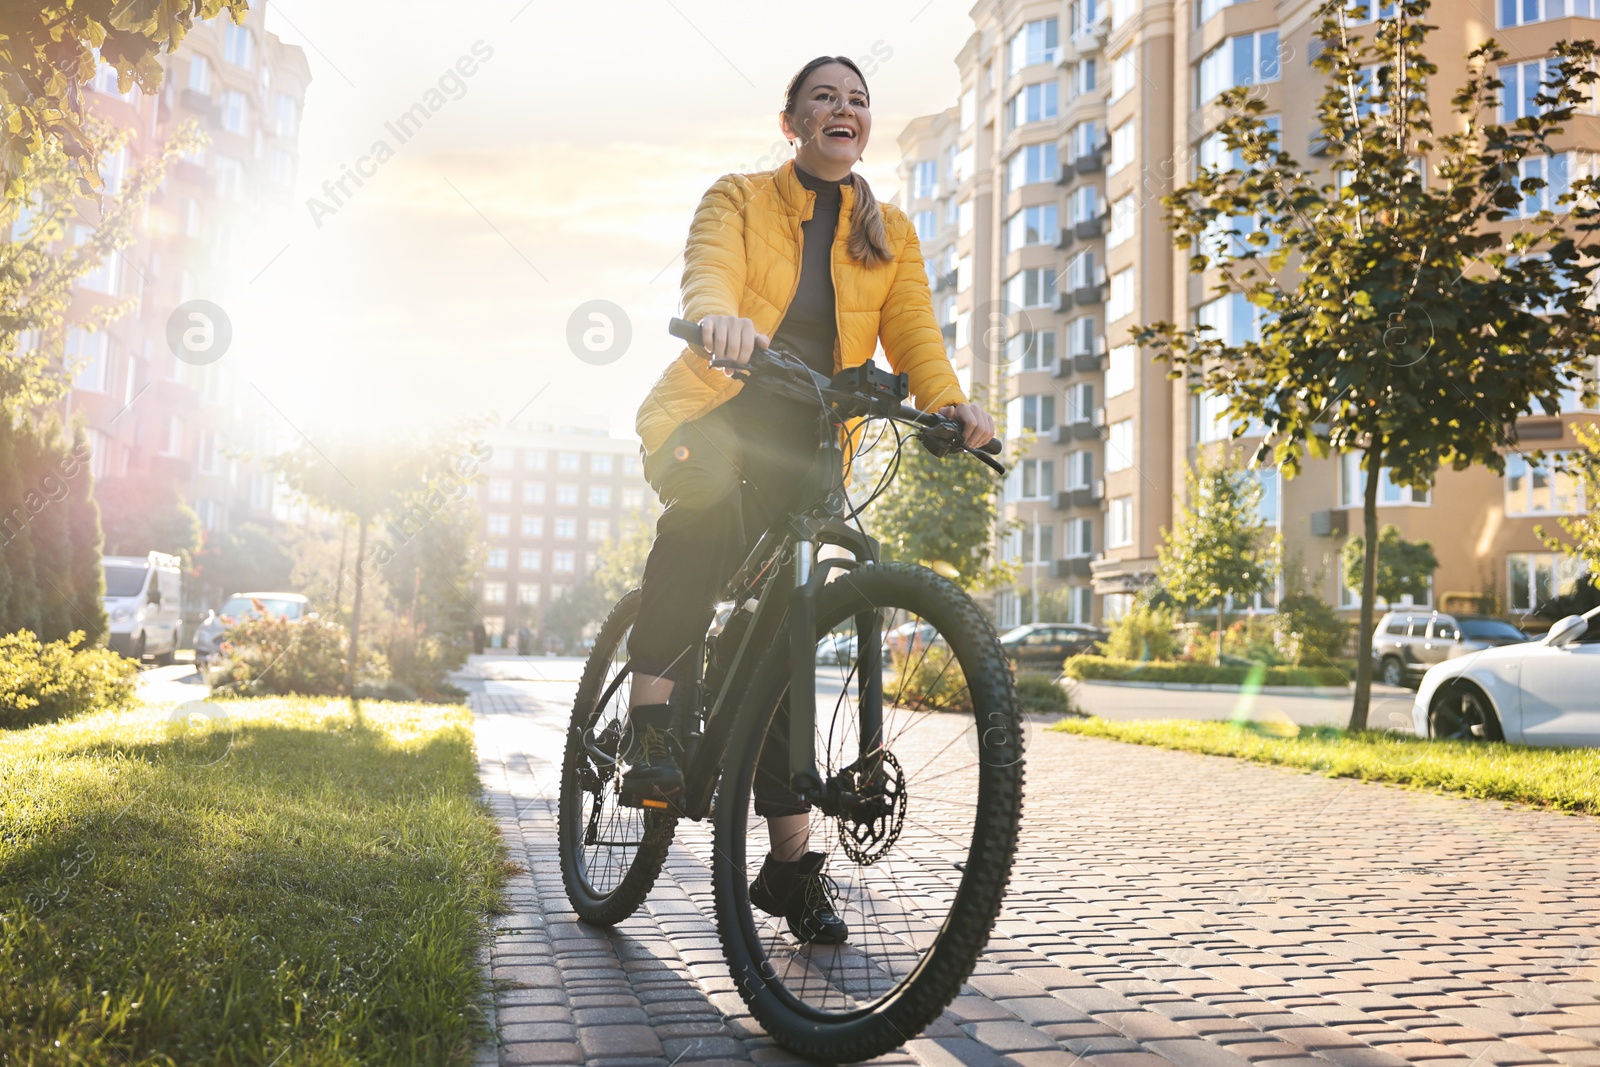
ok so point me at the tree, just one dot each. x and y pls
(1403, 567)
(1397, 321)
(49, 51)
(941, 512)
(145, 512)
(245, 558)
(1216, 549)
(1583, 528)
(619, 567)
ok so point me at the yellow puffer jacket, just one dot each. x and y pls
(743, 258)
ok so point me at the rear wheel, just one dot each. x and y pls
(610, 854)
(919, 864)
(1394, 671)
(1462, 713)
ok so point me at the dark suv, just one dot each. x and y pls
(1045, 645)
(1406, 643)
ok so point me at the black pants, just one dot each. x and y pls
(724, 478)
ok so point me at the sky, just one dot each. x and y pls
(563, 170)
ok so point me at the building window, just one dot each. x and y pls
(235, 112)
(1232, 319)
(496, 559)
(1533, 579)
(1123, 74)
(1031, 414)
(1120, 300)
(1031, 479)
(1522, 12)
(630, 464)
(238, 45)
(528, 595)
(1540, 489)
(1124, 215)
(1079, 403)
(1081, 78)
(969, 108)
(1034, 287)
(1122, 147)
(533, 492)
(567, 495)
(1037, 542)
(600, 464)
(230, 178)
(1558, 172)
(1119, 446)
(1268, 509)
(1032, 350)
(1029, 165)
(530, 559)
(565, 562)
(500, 490)
(633, 499)
(1083, 140)
(567, 529)
(1033, 103)
(1213, 151)
(280, 167)
(1120, 369)
(1083, 204)
(1082, 339)
(535, 459)
(285, 115)
(105, 275)
(599, 496)
(1035, 225)
(90, 353)
(499, 525)
(1210, 8)
(1079, 539)
(200, 75)
(569, 462)
(925, 179)
(1353, 486)
(1249, 59)
(1119, 522)
(599, 529)
(494, 592)
(532, 526)
(1080, 470)
(1035, 43)
(1080, 271)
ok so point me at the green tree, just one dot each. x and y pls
(1397, 321)
(145, 512)
(49, 51)
(1217, 548)
(247, 557)
(1403, 567)
(1583, 528)
(618, 568)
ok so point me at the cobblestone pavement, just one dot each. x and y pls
(1165, 908)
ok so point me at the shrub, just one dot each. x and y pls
(1144, 633)
(420, 661)
(1102, 668)
(1041, 692)
(930, 679)
(1309, 631)
(49, 681)
(268, 655)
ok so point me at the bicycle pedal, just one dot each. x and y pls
(650, 798)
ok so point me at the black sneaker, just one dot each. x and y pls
(798, 891)
(651, 777)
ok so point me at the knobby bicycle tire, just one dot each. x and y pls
(604, 905)
(866, 1030)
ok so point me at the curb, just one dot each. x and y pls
(1206, 687)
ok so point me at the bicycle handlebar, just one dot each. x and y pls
(690, 332)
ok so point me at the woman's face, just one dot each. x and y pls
(831, 121)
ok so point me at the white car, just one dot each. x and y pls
(1544, 692)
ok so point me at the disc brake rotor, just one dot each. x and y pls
(874, 808)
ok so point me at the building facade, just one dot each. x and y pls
(551, 497)
(1074, 120)
(148, 411)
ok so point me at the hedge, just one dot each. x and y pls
(1103, 669)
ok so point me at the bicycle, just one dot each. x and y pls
(914, 773)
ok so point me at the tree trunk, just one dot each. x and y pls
(338, 584)
(355, 609)
(1369, 588)
(1217, 655)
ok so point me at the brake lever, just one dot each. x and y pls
(987, 460)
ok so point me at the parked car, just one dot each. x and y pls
(1544, 692)
(1046, 644)
(208, 635)
(1406, 643)
(837, 649)
(910, 637)
(144, 601)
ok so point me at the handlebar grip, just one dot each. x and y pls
(992, 447)
(685, 330)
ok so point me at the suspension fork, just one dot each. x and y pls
(869, 666)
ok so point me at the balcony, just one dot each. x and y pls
(1083, 430)
(1091, 162)
(1076, 567)
(1066, 238)
(1087, 296)
(949, 331)
(1090, 228)
(945, 281)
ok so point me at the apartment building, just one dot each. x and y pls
(551, 497)
(1075, 118)
(147, 410)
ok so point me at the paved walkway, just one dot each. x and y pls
(1166, 908)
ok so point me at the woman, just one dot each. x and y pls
(803, 257)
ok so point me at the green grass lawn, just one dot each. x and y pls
(1566, 779)
(291, 885)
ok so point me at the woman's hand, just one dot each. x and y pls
(979, 426)
(730, 337)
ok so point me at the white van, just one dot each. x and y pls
(144, 599)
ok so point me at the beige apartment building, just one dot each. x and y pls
(1037, 198)
(148, 411)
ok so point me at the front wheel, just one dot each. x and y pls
(918, 863)
(1462, 713)
(1394, 672)
(610, 854)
